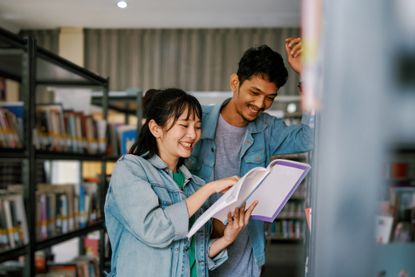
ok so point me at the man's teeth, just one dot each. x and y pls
(187, 144)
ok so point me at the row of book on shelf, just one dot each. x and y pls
(287, 229)
(81, 266)
(60, 130)
(293, 209)
(59, 209)
(396, 219)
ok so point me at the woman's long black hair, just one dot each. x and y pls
(160, 106)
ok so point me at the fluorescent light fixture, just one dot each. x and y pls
(122, 4)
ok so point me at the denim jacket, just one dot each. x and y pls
(147, 221)
(265, 137)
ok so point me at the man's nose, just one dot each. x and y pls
(260, 102)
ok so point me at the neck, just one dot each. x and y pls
(170, 161)
(231, 115)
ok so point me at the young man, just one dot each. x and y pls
(237, 136)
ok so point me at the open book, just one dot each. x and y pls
(271, 186)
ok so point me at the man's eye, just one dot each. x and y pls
(255, 93)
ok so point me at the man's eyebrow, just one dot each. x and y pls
(259, 90)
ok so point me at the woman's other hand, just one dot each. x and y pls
(224, 184)
(237, 222)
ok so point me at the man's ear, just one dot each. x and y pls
(234, 82)
(155, 129)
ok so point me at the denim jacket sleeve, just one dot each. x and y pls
(219, 259)
(292, 139)
(140, 210)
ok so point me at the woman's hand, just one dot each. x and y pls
(196, 200)
(237, 222)
(224, 184)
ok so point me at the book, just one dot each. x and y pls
(308, 217)
(271, 186)
(127, 137)
(383, 229)
(11, 124)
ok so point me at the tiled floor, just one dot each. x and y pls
(284, 260)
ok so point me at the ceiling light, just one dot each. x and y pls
(122, 4)
(292, 108)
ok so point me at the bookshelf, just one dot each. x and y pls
(21, 60)
(395, 224)
(125, 108)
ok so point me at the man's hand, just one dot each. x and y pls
(293, 49)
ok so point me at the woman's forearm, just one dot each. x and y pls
(196, 200)
(218, 246)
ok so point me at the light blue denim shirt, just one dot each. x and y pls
(265, 137)
(147, 221)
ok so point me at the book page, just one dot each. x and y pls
(247, 185)
(230, 199)
(275, 190)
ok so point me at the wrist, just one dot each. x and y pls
(210, 188)
(226, 241)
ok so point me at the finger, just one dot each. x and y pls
(224, 186)
(295, 41)
(236, 217)
(289, 40)
(249, 211)
(296, 51)
(287, 48)
(227, 185)
(230, 219)
(242, 215)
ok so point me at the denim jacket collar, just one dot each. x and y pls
(209, 132)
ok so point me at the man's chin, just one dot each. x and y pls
(250, 118)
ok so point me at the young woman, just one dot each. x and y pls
(153, 198)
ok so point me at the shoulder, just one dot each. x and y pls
(268, 120)
(132, 159)
(267, 117)
(207, 109)
(131, 163)
(199, 182)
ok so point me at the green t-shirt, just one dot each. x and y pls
(178, 177)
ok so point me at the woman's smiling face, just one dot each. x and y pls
(177, 140)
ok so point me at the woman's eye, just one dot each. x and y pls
(183, 125)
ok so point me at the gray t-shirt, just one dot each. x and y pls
(228, 140)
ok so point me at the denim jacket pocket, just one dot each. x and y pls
(257, 158)
(163, 195)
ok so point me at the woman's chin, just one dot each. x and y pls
(185, 155)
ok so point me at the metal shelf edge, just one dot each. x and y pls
(73, 234)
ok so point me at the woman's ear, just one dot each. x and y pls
(155, 129)
(234, 82)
